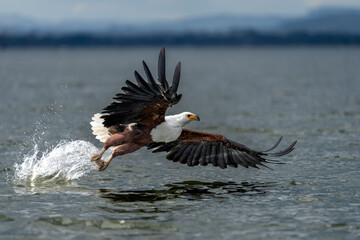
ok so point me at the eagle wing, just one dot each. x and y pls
(145, 102)
(194, 148)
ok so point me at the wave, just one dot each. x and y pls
(67, 161)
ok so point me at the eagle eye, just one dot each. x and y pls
(188, 115)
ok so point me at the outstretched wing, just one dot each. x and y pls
(145, 102)
(194, 148)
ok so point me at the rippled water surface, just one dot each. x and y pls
(48, 187)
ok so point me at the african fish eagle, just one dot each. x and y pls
(137, 119)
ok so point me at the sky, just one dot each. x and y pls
(140, 11)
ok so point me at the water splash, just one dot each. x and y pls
(67, 161)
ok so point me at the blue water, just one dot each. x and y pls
(49, 188)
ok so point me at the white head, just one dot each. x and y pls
(183, 118)
(171, 129)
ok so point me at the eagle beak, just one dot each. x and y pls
(194, 117)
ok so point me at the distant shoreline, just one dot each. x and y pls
(234, 38)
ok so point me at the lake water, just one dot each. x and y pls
(48, 187)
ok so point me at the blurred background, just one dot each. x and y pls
(161, 22)
(252, 70)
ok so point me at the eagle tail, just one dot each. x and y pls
(99, 130)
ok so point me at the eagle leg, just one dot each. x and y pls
(121, 150)
(97, 157)
(104, 164)
(112, 141)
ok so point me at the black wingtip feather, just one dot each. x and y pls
(221, 162)
(263, 165)
(275, 145)
(142, 84)
(176, 79)
(153, 85)
(191, 155)
(287, 150)
(196, 157)
(184, 157)
(161, 70)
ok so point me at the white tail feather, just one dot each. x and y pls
(98, 128)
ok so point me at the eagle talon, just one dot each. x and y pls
(95, 158)
(99, 163)
(104, 165)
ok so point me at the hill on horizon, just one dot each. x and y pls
(325, 19)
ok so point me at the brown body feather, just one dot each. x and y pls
(196, 136)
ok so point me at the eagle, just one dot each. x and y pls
(137, 119)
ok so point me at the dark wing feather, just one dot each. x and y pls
(176, 79)
(194, 148)
(145, 102)
(161, 71)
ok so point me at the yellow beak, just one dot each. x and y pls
(194, 117)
